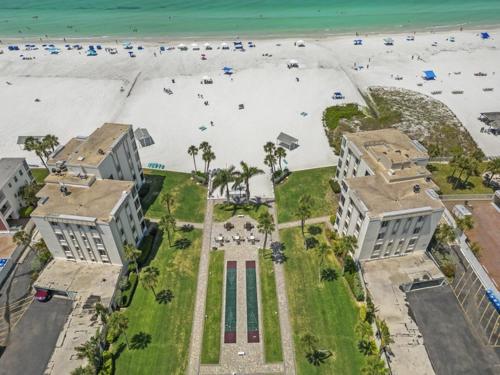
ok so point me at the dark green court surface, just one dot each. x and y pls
(252, 303)
(230, 312)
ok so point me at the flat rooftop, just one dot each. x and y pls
(383, 278)
(382, 197)
(93, 149)
(84, 279)
(96, 201)
(391, 153)
(7, 167)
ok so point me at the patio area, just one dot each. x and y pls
(239, 230)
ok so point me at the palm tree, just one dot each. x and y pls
(265, 225)
(270, 161)
(132, 254)
(444, 234)
(51, 141)
(343, 246)
(476, 249)
(269, 148)
(91, 350)
(323, 249)
(22, 238)
(165, 296)
(246, 174)
(280, 153)
(32, 144)
(493, 166)
(205, 146)
(222, 180)
(363, 330)
(472, 169)
(208, 156)
(318, 357)
(385, 335)
(168, 224)
(87, 370)
(465, 223)
(118, 324)
(374, 366)
(28, 193)
(102, 312)
(193, 151)
(149, 278)
(304, 210)
(167, 199)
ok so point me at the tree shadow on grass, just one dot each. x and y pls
(140, 340)
(314, 230)
(459, 184)
(155, 246)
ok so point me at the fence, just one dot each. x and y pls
(470, 285)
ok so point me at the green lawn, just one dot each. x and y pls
(189, 197)
(312, 181)
(270, 316)
(224, 211)
(440, 173)
(39, 174)
(213, 307)
(168, 325)
(326, 309)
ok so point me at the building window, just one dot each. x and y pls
(377, 247)
(342, 199)
(380, 235)
(21, 172)
(15, 178)
(420, 219)
(344, 186)
(417, 230)
(395, 227)
(339, 164)
(10, 185)
(385, 224)
(407, 225)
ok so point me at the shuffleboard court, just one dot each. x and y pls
(252, 303)
(230, 311)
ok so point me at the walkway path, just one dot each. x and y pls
(285, 326)
(314, 220)
(180, 223)
(201, 294)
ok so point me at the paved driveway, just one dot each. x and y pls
(453, 346)
(34, 338)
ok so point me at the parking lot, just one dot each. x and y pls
(34, 337)
(453, 346)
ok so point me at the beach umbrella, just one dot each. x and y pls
(181, 46)
(300, 43)
(224, 45)
(227, 69)
(194, 45)
(293, 62)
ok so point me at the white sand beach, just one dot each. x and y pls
(77, 93)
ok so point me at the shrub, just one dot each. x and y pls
(107, 363)
(448, 269)
(335, 186)
(128, 293)
(354, 283)
(311, 243)
(350, 265)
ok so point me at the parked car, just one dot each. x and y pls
(43, 295)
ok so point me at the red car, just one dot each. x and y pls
(42, 295)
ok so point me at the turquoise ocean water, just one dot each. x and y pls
(82, 18)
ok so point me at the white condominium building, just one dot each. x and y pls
(110, 152)
(14, 174)
(88, 220)
(388, 200)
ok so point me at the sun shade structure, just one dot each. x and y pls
(485, 35)
(429, 75)
(300, 43)
(287, 141)
(143, 137)
(389, 41)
